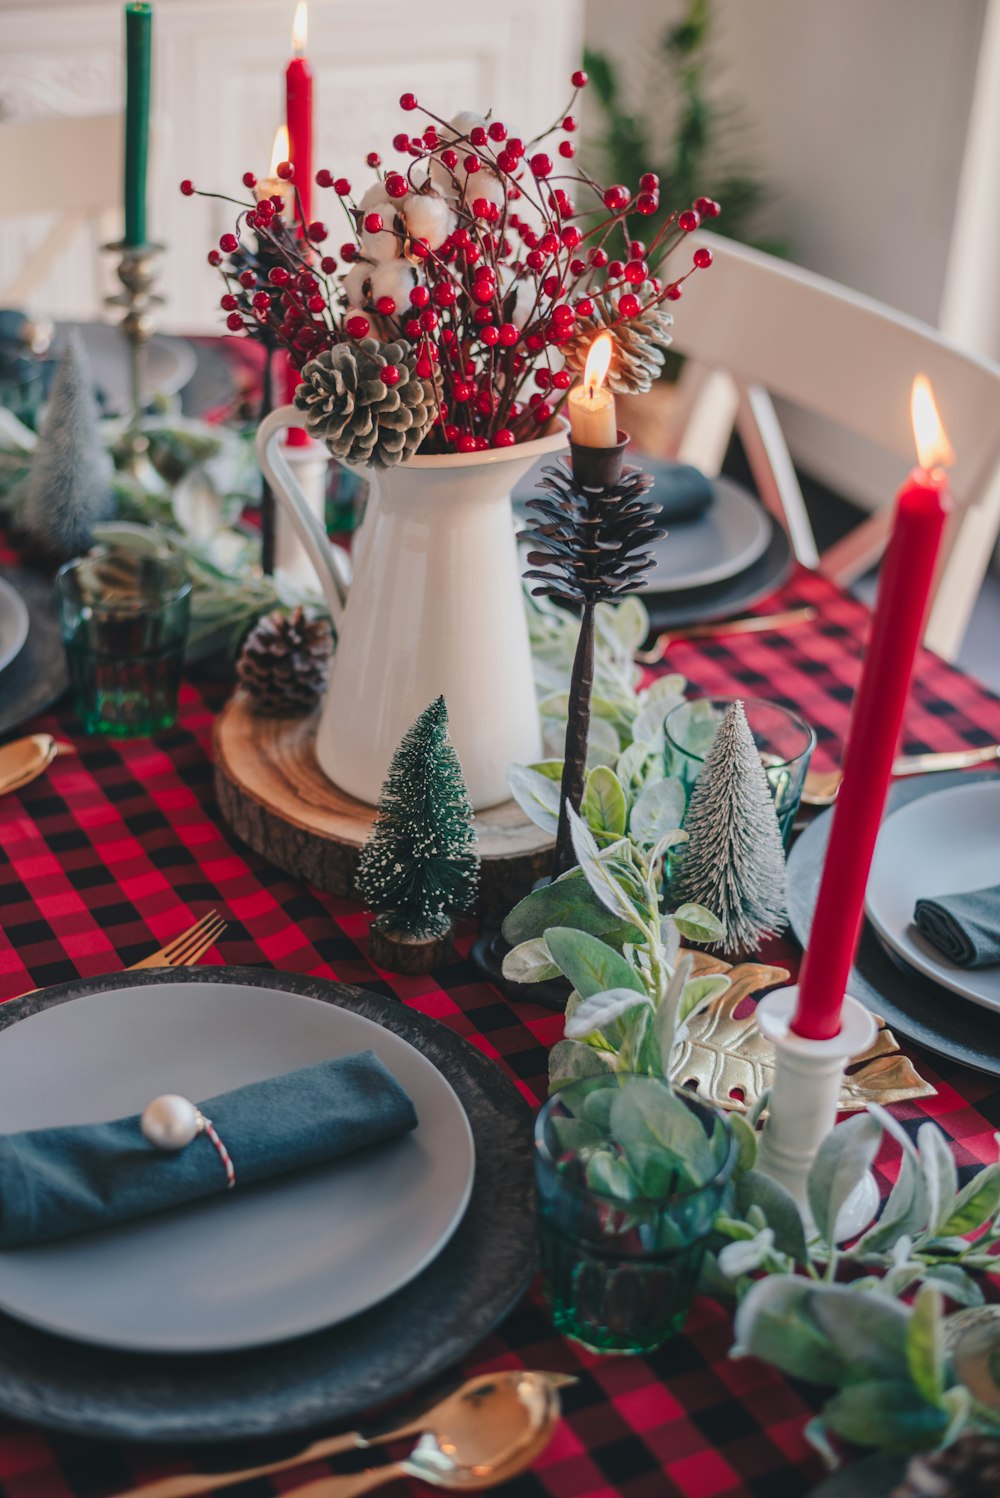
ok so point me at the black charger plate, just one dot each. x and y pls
(932, 1016)
(37, 675)
(333, 1376)
(726, 599)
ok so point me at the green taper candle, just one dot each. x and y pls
(138, 67)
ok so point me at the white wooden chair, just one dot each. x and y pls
(754, 327)
(69, 167)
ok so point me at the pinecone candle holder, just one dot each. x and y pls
(590, 545)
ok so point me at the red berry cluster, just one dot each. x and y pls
(486, 309)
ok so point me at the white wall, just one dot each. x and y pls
(855, 113)
(218, 96)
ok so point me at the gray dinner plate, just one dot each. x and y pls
(910, 1004)
(721, 543)
(167, 363)
(13, 623)
(944, 844)
(277, 1260)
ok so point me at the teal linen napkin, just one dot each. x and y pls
(54, 1182)
(682, 491)
(966, 927)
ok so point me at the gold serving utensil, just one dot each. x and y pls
(821, 786)
(750, 624)
(483, 1433)
(24, 760)
(183, 950)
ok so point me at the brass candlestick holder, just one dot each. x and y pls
(136, 272)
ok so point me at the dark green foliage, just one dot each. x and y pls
(420, 866)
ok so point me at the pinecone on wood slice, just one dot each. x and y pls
(640, 345)
(284, 663)
(970, 1468)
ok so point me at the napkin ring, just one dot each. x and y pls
(171, 1122)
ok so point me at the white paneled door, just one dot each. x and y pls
(219, 93)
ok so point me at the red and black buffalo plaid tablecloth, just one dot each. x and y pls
(118, 849)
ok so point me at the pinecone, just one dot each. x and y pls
(361, 419)
(969, 1468)
(592, 542)
(640, 344)
(284, 663)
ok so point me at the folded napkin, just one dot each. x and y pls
(682, 491)
(966, 928)
(54, 1182)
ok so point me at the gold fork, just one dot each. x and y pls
(183, 950)
(186, 949)
(752, 624)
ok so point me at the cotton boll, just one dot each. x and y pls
(429, 217)
(487, 186)
(524, 297)
(354, 283)
(393, 278)
(445, 181)
(383, 244)
(465, 122)
(374, 199)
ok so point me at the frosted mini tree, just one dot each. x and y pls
(734, 861)
(69, 485)
(419, 867)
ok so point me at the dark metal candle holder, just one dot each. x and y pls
(136, 272)
(598, 467)
(590, 534)
(592, 530)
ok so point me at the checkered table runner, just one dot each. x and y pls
(119, 849)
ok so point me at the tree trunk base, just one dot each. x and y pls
(403, 953)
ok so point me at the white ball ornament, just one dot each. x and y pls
(170, 1122)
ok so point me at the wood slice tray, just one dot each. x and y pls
(275, 797)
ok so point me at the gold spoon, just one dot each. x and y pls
(25, 759)
(821, 786)
(477, 1436)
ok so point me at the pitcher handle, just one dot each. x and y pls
(325, 557)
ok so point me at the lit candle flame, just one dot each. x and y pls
(300, 28)
(279, 152)
(933, 448)
(598, 363)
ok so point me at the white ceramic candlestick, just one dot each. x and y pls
(803, 1103)
(311, 467)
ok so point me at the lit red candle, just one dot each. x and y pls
(299, 119)
(299, 110)
(922, 507)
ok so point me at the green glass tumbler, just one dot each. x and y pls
(619, 1272)
(784, 740)
(124, 618)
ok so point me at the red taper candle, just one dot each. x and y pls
(299, 112)
(907, 574)
(299, 118)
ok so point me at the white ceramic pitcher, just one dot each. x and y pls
(434, 606)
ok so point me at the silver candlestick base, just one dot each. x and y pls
(803, 1104)
(136, 272)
